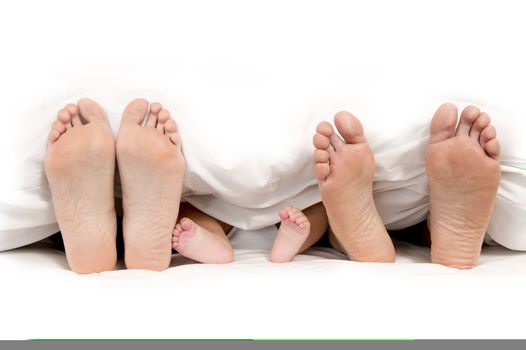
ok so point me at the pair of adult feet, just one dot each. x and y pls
(462, 166)
(80, 167)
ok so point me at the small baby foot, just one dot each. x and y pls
(293, 231)
(151, 169)
(463, 169)
(80, 166)
(196, 243)
(345, 171)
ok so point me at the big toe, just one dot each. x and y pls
(443, 123)
(135, 111)
(349, 127)
(91, 110)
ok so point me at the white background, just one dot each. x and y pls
(397, 49)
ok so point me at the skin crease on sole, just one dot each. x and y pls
(463, 169)
(80, 165)
(345, 168)
(293, 232)
(151, 168)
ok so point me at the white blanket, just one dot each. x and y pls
(247, 88)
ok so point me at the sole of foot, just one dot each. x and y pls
(345, 168)
(462, 165)
(151, 169)
(196, 243)
(80, 167)
(293, 231)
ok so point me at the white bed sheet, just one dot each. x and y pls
(318, 295)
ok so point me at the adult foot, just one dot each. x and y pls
(199, 244)
(293, 231)
(345, 170)
(151, 168)
(463, 169)
(80, 166)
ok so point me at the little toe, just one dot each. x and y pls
(487, 134)
(175, 138)
(349, 127)
(135, 112)
(492, 149)
(155, 108)
(170, 129)
(480, 124)
(443, 123)
(53, 135)
(302, 221)
(58, 126)
(90, 110)
(467, 118)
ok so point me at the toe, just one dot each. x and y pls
(155, 108)
(302, 220)
(186, 224)
(321, 171)
(325, 129)
(176, 140)
(170, 129)
(65, 118)
(53, 135)
(480, 124)
(58, 126)
(492, 149)
(336, 141)
(164, 116)
(91, 110)
(487, 134)
(283, 214)
(297, 215)
(74, 112)
(293, 210)
(170, 126)
(321, 156)
(349, 127)
(467, 118)
(443, 123)
(135, 112)
(321, 141)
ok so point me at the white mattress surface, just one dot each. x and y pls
(318, 295)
